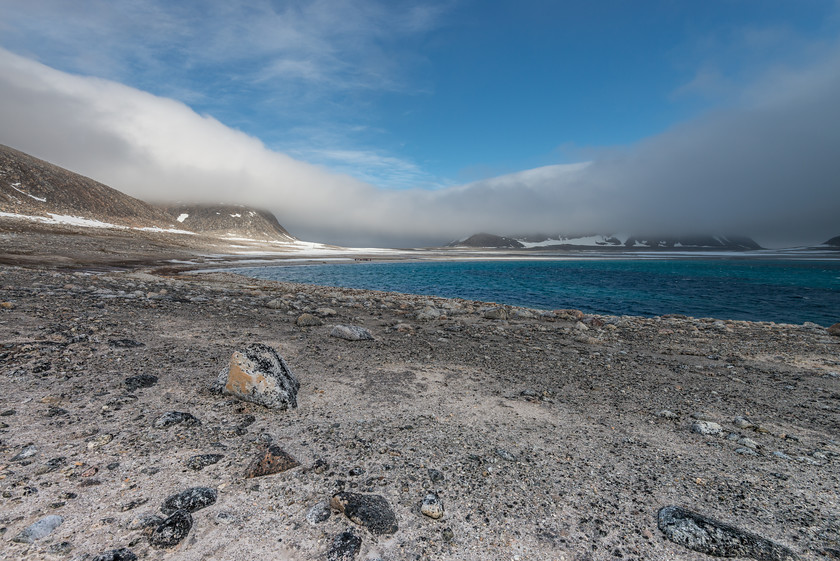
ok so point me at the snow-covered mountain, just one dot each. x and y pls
(609, 241)
(230, 222)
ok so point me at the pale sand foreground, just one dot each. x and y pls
(549, 433)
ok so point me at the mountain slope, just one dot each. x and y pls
(33, 187)
(229, 221)
(835, 242)
(37, 191)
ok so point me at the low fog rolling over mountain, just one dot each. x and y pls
(372, 133)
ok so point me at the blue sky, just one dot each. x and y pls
(435, 96)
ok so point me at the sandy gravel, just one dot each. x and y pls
(545, 436)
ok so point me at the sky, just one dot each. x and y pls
(396, 123)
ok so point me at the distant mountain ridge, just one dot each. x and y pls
(835, 241)
(37, 190)
(609, 241)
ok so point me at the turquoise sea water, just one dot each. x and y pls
(759, 290)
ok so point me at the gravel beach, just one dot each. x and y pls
(456, 430)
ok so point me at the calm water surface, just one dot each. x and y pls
(780, 291)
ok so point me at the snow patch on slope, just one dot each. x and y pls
(15, 187)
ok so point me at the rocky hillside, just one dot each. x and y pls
(33, 187)
(229, 221)
(35, 190)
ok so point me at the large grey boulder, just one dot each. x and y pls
(351, 333)
(259, 374)
(706, 535)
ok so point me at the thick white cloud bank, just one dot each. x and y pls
(768, 168)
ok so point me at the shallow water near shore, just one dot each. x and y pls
(756, 290)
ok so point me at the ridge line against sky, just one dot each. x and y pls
(414, 123)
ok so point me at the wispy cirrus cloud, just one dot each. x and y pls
(348, 45)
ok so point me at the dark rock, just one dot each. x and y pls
(259, 374)
(134, 383)
(371, 511)
(61, 548)
(834, 330)
(40, 529)
(699, 533)
(175, 418)
(273, 460)
(172, 531)
(435, 475)
(51, 465)
(203, 460)
(191, 500)
(121, 554)
(345, 547)
(125, 343)
(351, 333)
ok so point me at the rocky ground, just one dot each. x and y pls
(536, 435)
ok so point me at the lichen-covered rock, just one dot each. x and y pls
(134, 383)
(345, 547)
(191, 500)
(121, 554)
(172, 531)
(351, 333)
(370, 511)
(39, 530)
(706, 428)
(432, 506)
(703, 534)
(201, 461)
(320, 512)
(496, 313)
(259, 374)
(273, 460)
(308, 320)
